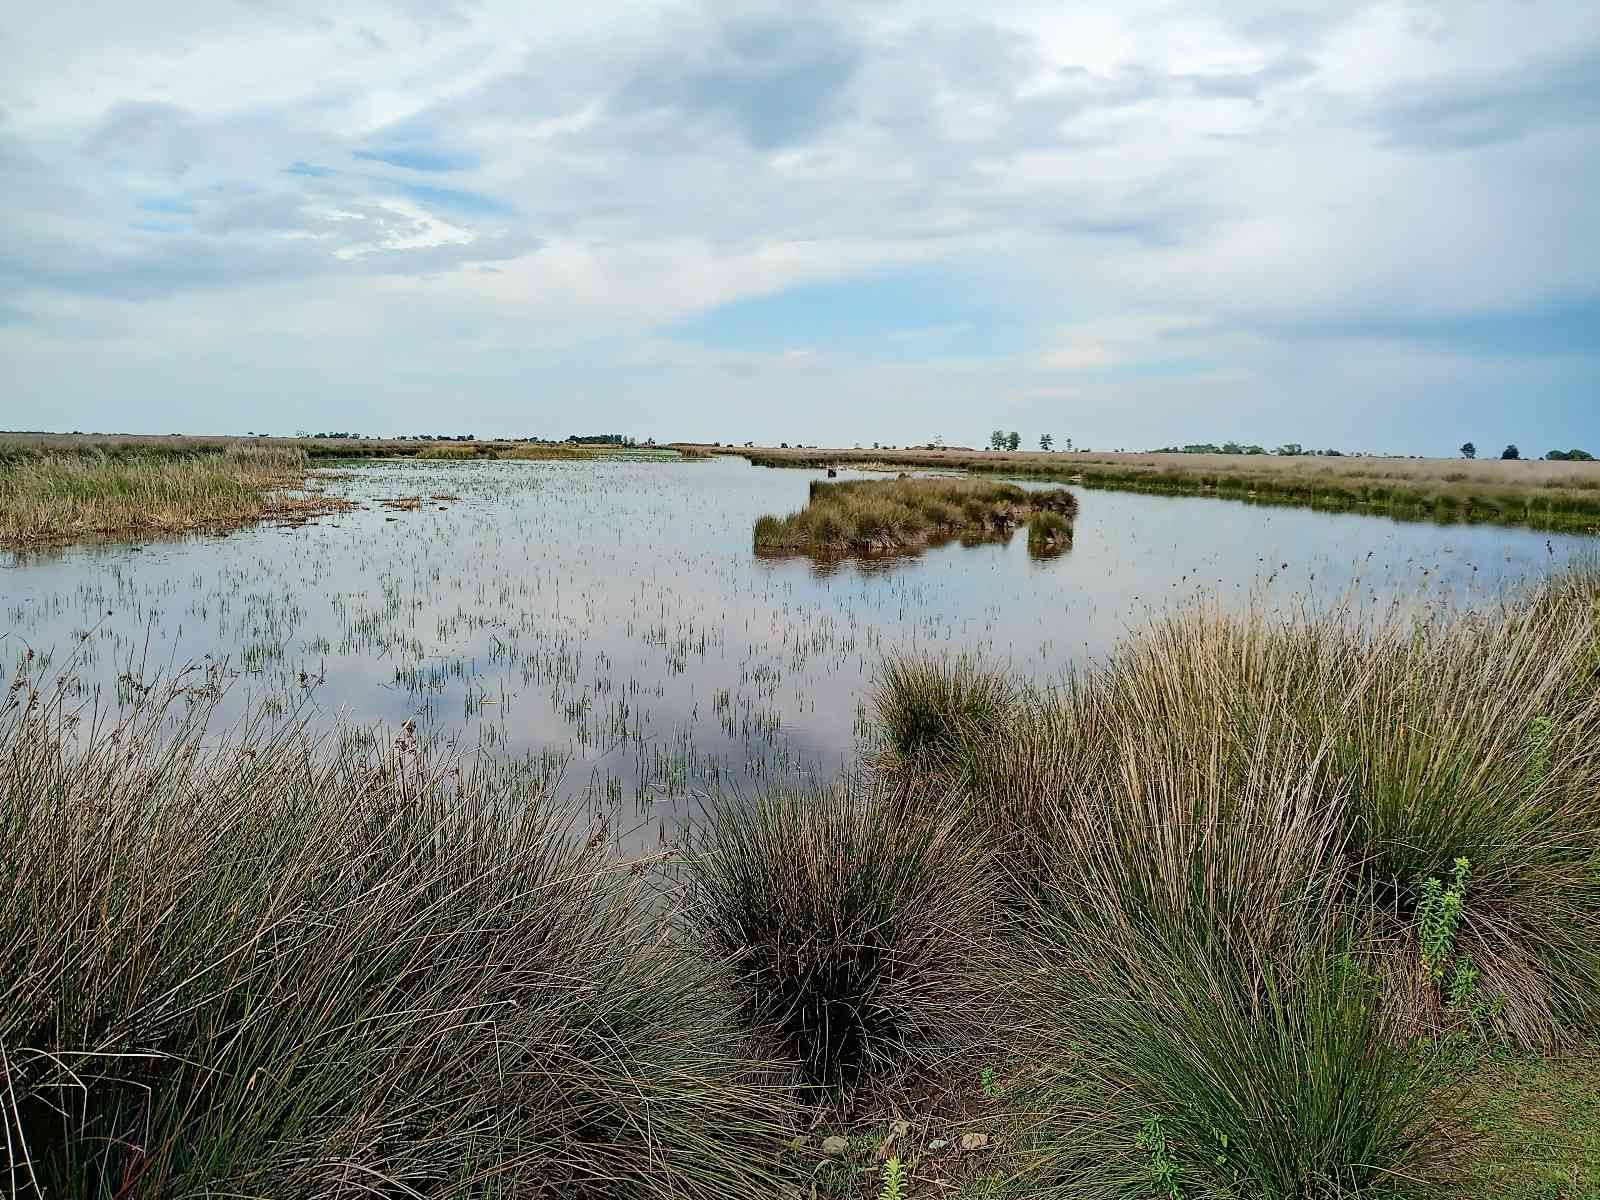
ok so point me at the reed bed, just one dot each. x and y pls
(268, 965)
(1219, 917)
(1546, 495)
(1273, 873)
(51, 498)
(892, 515)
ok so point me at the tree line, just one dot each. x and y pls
(1511, 454)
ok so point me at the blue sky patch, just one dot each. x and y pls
(913, 312)
(454, 199)
(421, 159)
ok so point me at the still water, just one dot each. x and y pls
(611, 617)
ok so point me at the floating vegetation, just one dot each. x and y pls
(880, 516)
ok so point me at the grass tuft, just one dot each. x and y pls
(857, 936)
(264, 965)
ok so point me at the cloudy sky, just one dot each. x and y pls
(1128, 222)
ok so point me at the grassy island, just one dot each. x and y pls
(868, 516)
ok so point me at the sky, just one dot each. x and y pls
(1132, 223)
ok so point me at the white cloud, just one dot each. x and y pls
(1203, 192)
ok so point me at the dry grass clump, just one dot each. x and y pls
(879, 515)
(857, 934)
(540, 452)
(52, 498)
(270, 966)
(449, 451)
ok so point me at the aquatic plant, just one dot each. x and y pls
(1048, 533)
(938, 713)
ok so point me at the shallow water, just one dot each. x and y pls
(611, 616)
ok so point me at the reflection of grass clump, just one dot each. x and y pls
(1049, 531)
(889, 514)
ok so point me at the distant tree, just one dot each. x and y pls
(1468, 450)
(1013, 440)
(1291, 449)
(1069, 445)
(997, 439)
(1511, 452)
(1044, 442)
(1570, 456)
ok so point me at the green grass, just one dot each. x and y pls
(936, 714)
(1534, 1125)
(891, 515)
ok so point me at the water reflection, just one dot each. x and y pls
(613, 617)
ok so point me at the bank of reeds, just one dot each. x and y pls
(888, 515)
(1267, 867)
(1227, 904)
(51, 498)
(1545, 495)
(265, 965)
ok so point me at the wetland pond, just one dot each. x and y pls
(609, 618)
